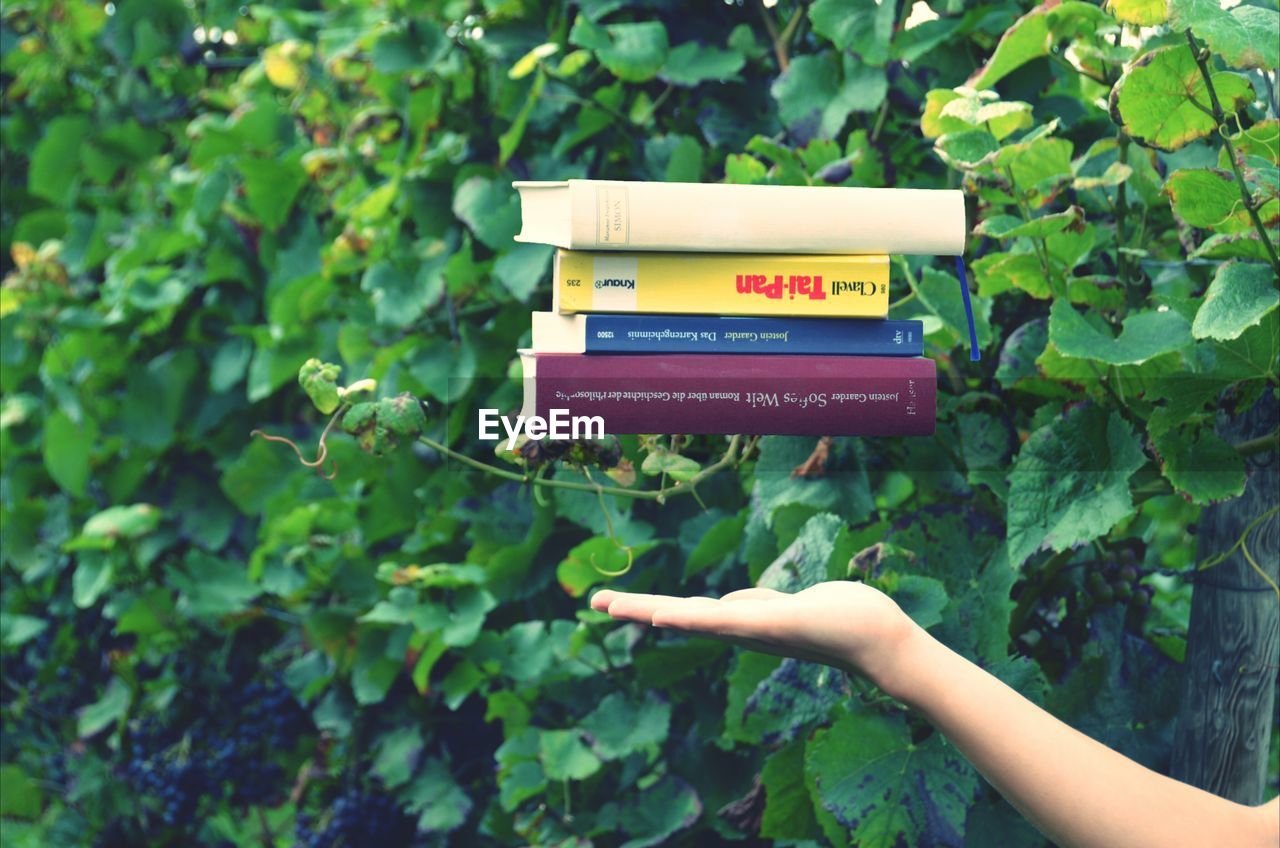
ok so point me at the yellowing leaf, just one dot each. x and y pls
(1161, 100)
(526, 63)
(283, 63)
(1140, 12)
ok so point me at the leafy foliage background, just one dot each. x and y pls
(199, 197)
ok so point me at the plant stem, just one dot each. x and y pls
(1261, 444)
(1037, 242)
(906, 298)
(1202, 62)
(660, 495)
(779, 39)
(1122, 213)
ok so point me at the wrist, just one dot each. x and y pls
(901, 671)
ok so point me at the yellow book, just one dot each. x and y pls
(815, 285)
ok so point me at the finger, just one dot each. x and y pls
(758, 593)
(641, 607)
(600, 600)
(748, 619)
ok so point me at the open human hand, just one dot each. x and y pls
(840, 623)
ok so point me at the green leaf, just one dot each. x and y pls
(1199, 464)
(17, 629)
(977, 620)
(1102, 700)
(741, 169)
(1252, 355)
(1000, 272)
(1028, 38)
(54, 173)
(862, 26)
(804, 562)
(1038, 165)
(619, 726)
(922, 598)
(807, 87)
(93, 576)
(406, 47)
(981, 110)
(1240, 296)
(791, 699)
(509, 141)
(522, 267)
(320, 381)
(675, 466)
(106, 711)
(1243, 245)
(396, 754)
(1143, 335)
(691, 63)
(564, 756)
(20, 796)
(843, 490)
(1070, 483)
(967, 149)
(436, 799)
(1021, 349)
(1115, 174)
(401, 291)
(1140, 12)
(213, 587)
(715, 545)
(632, 52)
(122, 522)
(585, 563)
(651, 817)
(885, 790)
(933, 123)
(491, 209)
(1261, 140)
(1033, 36)
(940, 292)
(260, 471)
(66, 451)
(1008, 226)
(1207, 198)
(1245, 35)
(271, 186)
(376, 665)
(1161, 100)
(788, 809)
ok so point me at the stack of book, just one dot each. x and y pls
(713, 308)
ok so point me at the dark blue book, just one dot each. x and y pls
(631, 333)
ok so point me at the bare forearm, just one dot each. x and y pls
(1077, 791)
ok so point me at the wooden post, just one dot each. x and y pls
(1228, 703)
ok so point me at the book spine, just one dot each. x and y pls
(709, 334)
(782, 395)
(722, 284)
(630, 216)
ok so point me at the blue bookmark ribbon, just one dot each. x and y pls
(974, 353)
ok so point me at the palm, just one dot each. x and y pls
(839, 623)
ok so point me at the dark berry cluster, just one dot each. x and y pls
(357, 817)
(229, 756)
(1058, 604)
(605, 453)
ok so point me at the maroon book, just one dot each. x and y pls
(794, 395)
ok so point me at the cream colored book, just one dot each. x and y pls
(718, 217)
